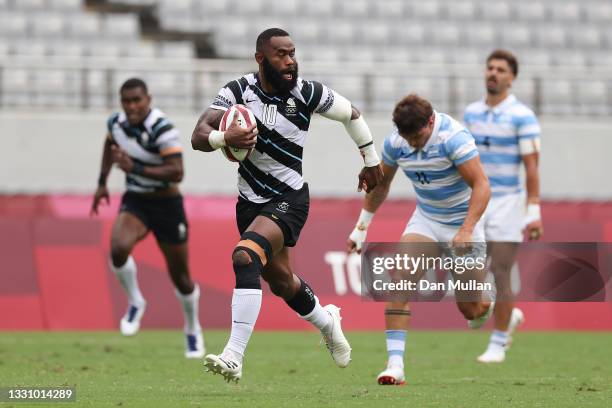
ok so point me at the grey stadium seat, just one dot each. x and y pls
(30, 47)
(598, 11)
(37, 5)
(557, 96)
(13, 24)
(323, 8)
(447, 35)
(67, 48)
(388, 9)
(376, 32)
(48, 25)
(551, 36)
(15, 87)
(411, 35)
(480, 34)
(141, 49)
(182, 7)
(428, 10)
(85, 26)
(285, 8)
(516, 35)
(124, 27)
(586, 37)
(176, 50)
(495, 10)
(354, 8)
(306, 32)
(568, 11)
(460, 10)
(531, 11)
(593, 97)
(65, 5)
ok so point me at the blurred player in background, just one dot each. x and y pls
(273, 198)
(145, 145)
(441, 160)
(507, 133)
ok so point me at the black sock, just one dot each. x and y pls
(304, 300)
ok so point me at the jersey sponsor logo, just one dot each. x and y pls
(269, 115)
(291, 108)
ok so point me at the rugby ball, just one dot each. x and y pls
(245, 119)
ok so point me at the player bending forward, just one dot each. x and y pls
(441, 160)
(273, 197)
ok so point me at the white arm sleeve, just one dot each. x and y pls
(341, 110)
(529, 146)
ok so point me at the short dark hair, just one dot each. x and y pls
(264, 37)
(411, 114)
(134, 83)
(506, 56)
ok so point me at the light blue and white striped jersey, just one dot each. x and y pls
(442, 194)
(497, 131)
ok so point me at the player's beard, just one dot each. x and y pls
(493, 88)
(275, 77)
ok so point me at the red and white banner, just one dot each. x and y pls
(54, 274)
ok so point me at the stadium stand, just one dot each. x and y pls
(558, 43)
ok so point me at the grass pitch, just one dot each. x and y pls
(290, 370)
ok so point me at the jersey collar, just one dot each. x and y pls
(503, 105)
(434, 132)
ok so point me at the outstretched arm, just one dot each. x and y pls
(372, 201)
(342, 111)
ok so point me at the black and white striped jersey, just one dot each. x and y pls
(275, 165)
(146, 143)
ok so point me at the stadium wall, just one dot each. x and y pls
(54, 274)
(55, 152)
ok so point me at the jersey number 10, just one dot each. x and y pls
(269, 115)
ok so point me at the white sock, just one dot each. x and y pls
(498, 340)
(319, 318)
(190, 309)
(127, 277)
(396, 345)
(245, 309)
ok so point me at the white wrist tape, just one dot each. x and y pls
(360, 133)
(216, 139)
(529, 146)
(360, 231)
(533, 213)
(365, 218)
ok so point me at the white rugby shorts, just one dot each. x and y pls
(504, 218)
